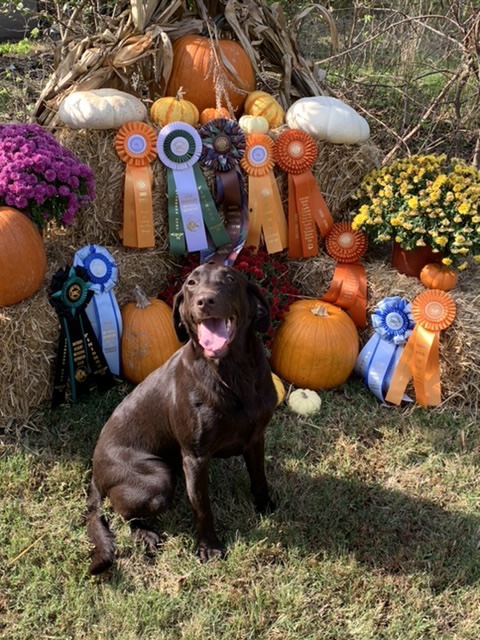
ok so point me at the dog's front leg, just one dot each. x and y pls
(196, 477)
(254, 458)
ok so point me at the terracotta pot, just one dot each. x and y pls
(411, 261)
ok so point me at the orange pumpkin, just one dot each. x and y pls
(148, 336)
(211, 113)
(193, 70)
(169, 109)
(438, 276)
(316, 345)
(23, 261)
(261, 103)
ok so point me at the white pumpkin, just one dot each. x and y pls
(101, 109)
(253, 124)
(305, 402)
(329, 119)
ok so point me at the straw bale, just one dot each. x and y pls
(459, 344)
(29, 330)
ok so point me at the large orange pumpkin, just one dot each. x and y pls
(23, 261)
(148, 336)
(193, 69)
(316, 345)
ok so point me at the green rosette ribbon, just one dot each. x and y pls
(191, 209)
(80, 361)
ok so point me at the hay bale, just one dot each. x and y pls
(338, 170)
(459, 344)
(29, 330)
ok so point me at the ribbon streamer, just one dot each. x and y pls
(223, 148)
(348, 288)
(191, 208)
(135, 145)
(264, 201)
(80, 360)
(295, 153)
(433, 311)
(393, 323)
(103, 310)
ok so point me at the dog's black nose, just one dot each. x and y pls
(205, 300)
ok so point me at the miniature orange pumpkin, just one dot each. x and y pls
(438, 276)
(316, 345)
(23, 261)
(261, 103)
(177, 109)
(193, 70)
(211, 113)
(148, 336)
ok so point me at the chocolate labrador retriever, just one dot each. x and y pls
(213, 398)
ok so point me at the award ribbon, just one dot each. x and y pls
(348, 289)
(264, 202)
(135, 145)
(80, 359)
(190, 204)
(223, 148)
(433, 311)
(102, 310)
(393, 323)
(295, 153)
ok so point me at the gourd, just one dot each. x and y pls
(148, 337)
(212, 113)
(253, 124)
(329, 119)
(438, 276)
(261, 103)
(193, 68)
(305, 402)
(279, 388)
(316, 345)
(23, 261)
(101, 109)
(174, 109)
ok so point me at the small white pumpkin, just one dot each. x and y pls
(253, 124)
(329, 119)
(101, 109)
(305, 402)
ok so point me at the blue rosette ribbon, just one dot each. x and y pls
(393, 323)
(191, 209)
(223, 148)
(103, 310)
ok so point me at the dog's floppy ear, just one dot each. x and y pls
(178, 324)
(261, 308)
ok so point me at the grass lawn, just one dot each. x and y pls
(375, 535)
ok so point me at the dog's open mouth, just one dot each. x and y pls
(215, 334)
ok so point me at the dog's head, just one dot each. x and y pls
(216, 306)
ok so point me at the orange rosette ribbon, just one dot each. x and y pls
(433, 311)
(348, 289)
(135, 144)
(295, 153)
(264, 202)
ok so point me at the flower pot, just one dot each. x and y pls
(411, 261)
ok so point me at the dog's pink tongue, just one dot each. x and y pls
(213, 334)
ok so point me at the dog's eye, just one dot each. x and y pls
(230, 278)
(191, 282)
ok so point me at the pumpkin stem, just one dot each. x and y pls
(180, 94)
(319, 310)
(141, 297)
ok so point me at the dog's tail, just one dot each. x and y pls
(99, 533)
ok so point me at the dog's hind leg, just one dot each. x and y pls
(99, 533)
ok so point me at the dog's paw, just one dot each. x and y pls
(211, 551)
(150, 540)
(265, 506)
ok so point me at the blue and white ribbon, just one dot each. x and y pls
(393, 323)
(103, 310)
